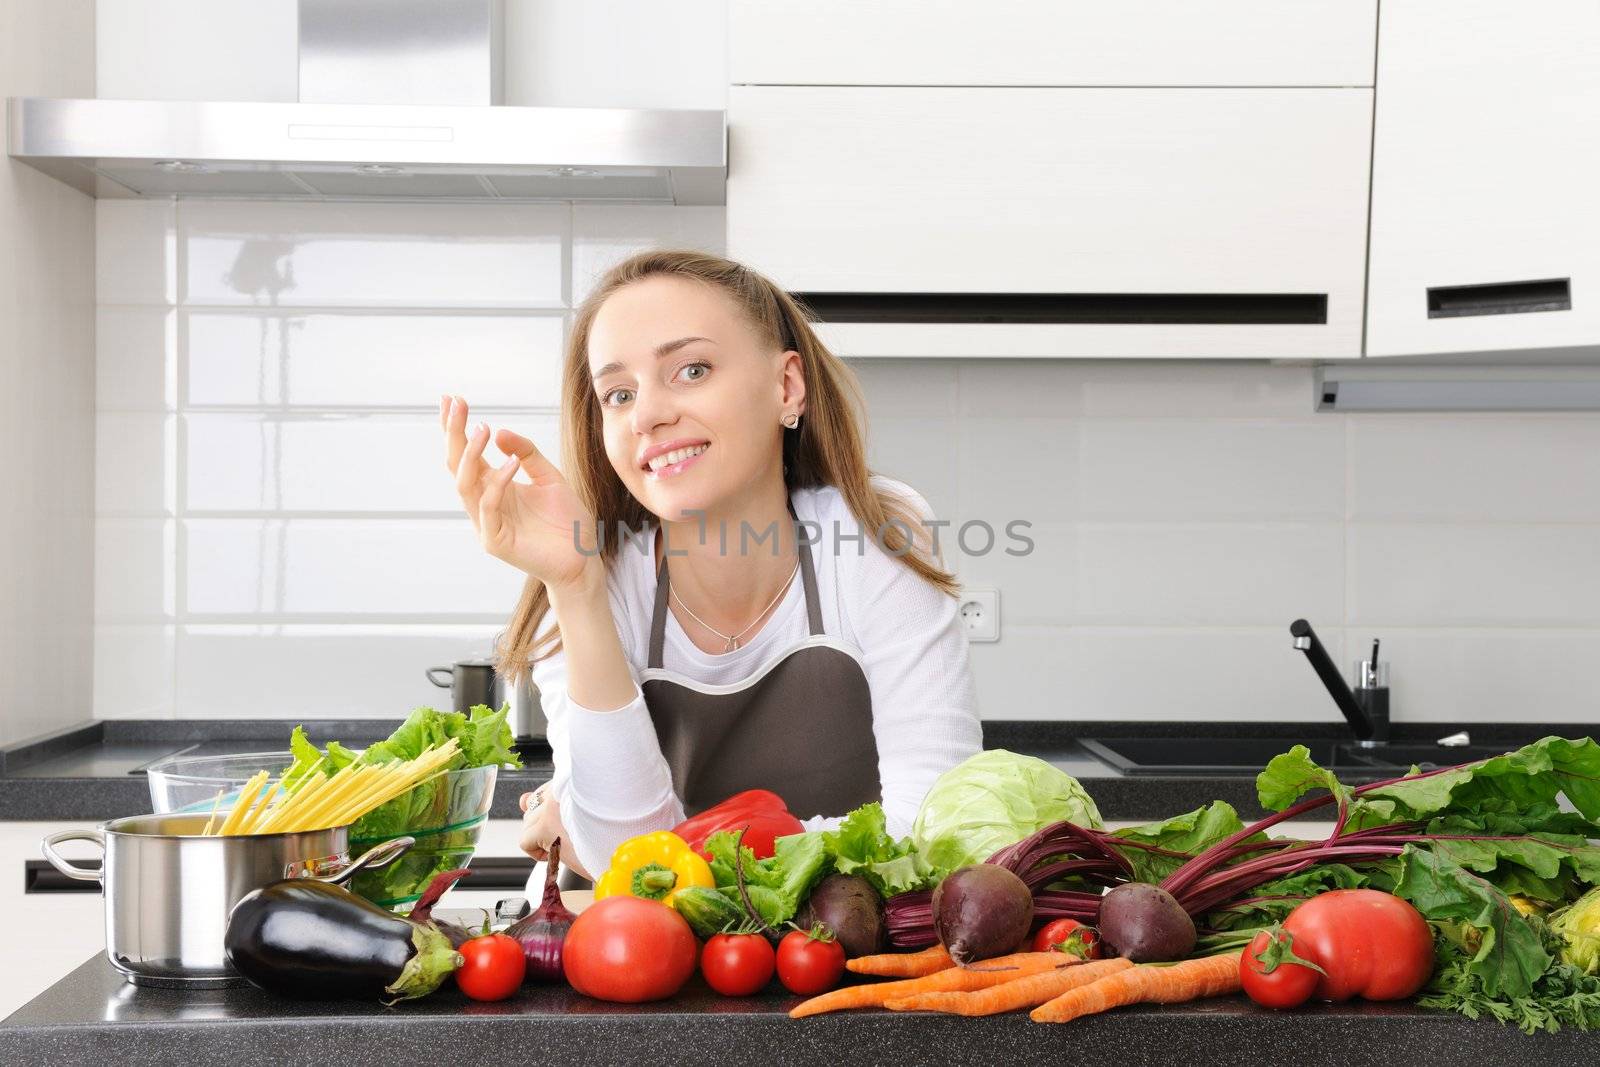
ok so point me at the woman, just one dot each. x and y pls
(774, 617)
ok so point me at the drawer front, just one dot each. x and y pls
(1063, 191)
(1052, 42)
(57, 931)
(1485, 223)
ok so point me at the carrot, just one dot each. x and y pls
(903, 964)
(1147, 983)
(980, 975)
(1023, 992)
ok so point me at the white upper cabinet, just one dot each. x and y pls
(1052, 42)
(1059, 222)
(1485, 220)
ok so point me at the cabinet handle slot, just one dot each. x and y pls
(1242, 309)
(1500, 298)
(40, 877)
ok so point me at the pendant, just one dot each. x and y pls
(733, 643)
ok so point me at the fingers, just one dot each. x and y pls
(456, 439)
(491, 518)
(471, 468)
(538, 468)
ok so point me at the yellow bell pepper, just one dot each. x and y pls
(655, 867)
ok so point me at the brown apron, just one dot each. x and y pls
(800, 725)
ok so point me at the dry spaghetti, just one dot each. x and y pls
(318, 801)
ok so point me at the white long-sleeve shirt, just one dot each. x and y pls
(610, 776)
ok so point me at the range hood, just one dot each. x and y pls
(398, 99)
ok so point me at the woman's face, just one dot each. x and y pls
(690, 398)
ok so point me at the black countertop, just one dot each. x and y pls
(91, 772)
(92, 1015)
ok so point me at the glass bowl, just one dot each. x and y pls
(446, 816)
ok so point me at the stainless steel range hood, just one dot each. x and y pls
(399, 99)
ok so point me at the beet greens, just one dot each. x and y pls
(1498, 816)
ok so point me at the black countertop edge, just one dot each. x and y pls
(92, 1014)
(47, 797)
(997, 733)
(100, 799)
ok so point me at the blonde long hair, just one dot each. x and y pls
(826, 449)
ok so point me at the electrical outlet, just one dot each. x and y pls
(980, 612)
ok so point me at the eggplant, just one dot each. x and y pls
(311, 940)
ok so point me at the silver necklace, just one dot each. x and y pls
(733, 641)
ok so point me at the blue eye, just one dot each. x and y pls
(705, 369)
(606, 399)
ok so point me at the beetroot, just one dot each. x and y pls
(981, 911)
(1145, 924)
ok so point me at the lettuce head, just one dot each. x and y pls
(992, 800)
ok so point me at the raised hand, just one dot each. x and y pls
(528, 525)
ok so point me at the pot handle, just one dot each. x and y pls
(448, 675)
(64, 865)
(378, 855)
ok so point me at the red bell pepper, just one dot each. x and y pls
(761, 813)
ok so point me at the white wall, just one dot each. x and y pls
(46, 391)
(277, 535)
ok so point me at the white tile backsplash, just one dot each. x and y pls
(1466, 468)
(134, 668)
(346, 463)
(1505, 574)
(604, 235)
(136, 358)
(317, 671)
(1038, 586)
(136, 252)
(135, 563)
(1019, 467)
(372, 359)
(133, 467)
(1489, 674)
(1209, 574)
(374, 254)
(1197, 468)
(1160, 675)
(278, 537)
(330, 567)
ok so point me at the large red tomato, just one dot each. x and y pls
(628, 949)
(1371, 944)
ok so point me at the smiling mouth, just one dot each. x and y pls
(670, 463)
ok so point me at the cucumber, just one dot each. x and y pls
(708, 911)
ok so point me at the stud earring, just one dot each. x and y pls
(791, 420)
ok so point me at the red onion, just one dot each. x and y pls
(422, 911)
(543, 932)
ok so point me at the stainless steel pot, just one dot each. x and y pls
(475, 681)
(169, 890)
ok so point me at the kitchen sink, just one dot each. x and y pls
(1247, 755)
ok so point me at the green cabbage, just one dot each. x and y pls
(1578, 924)
(992, 800)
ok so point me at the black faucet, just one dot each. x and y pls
(1367, 714)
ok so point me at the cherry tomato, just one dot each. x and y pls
(1069, 936)
(1273, 974)
(1371, 944)
(810, 962)
(628, 949)
(493, 967)
(737, 965)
